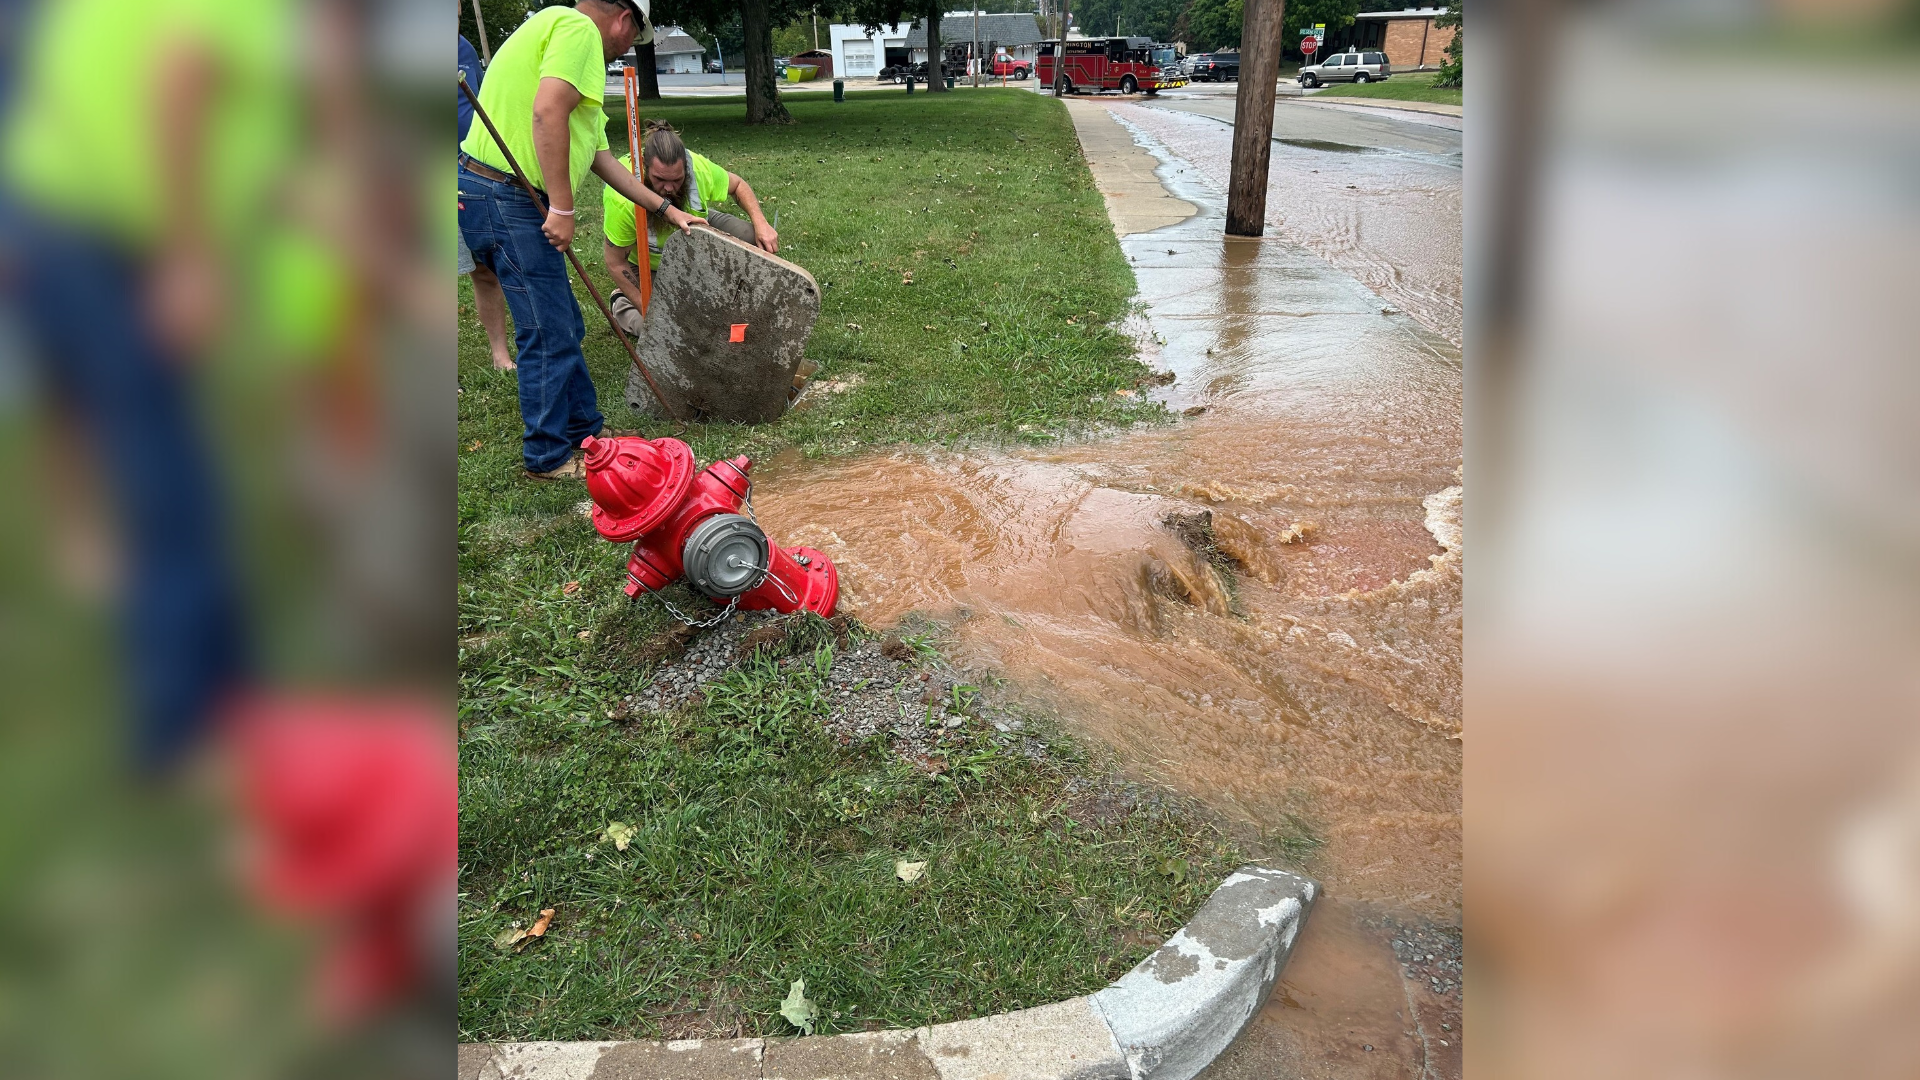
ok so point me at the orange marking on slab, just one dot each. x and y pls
(739, 332)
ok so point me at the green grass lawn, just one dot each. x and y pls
(765, 850)
(1411, 86)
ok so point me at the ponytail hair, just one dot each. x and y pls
(661, 143)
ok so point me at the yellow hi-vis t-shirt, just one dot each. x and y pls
(558, 43)
(83, 135)
(710, 186)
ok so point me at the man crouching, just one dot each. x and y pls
(688, 182)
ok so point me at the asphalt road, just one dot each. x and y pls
(1306, 121)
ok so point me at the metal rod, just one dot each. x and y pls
(534, 194)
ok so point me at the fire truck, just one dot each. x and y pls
(1127, 64)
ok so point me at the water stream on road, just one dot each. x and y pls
(1316, 677)
(1389, 217)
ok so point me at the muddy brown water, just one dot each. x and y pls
(1315, 681)
(1389, 217)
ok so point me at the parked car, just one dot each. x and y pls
(714, 68)
(780, 66)
(1214, 67)
(1355, 67)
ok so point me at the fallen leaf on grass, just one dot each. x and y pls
(516, 939)
(909, 871)
(854, 326)
(473, 446)
(620, 833)
(797, 1009)
(570, 588)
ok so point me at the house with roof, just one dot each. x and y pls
(860, 55)
(676, 53)
(1017, 34)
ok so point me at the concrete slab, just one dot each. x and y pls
(725, 329)
(548, 1060)
(682, 1059)
(876, 1055)
(1065, 1041)
(1179, 1008)
(475, 1062)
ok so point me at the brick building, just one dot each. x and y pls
(1408, 37)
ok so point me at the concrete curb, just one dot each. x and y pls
(1164, 1020)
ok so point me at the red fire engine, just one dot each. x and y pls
(1127, 64)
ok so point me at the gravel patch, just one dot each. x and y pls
(1429, 954)
(878, 686)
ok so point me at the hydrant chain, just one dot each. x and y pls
(715, 621)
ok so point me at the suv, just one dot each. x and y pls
(1214, 67)
(1348, 67)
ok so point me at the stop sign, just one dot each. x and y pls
(1308, 45)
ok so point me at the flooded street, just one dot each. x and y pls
(1307, 675)
(1386, 211)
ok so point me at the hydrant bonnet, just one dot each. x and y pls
(635, 483)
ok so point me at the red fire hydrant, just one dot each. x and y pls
(687, 524)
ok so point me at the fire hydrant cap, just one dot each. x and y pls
(725, 555)
(635, 483)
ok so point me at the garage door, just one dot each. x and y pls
(859, 58)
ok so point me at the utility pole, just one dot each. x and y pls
(486, 54)
(976, 46)
(1253, 116)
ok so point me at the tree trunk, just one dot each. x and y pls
(763, 88)
(1260, 39)
(649, 80)
(936, 53)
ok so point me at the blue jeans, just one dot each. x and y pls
(80, 299)
(558, 404)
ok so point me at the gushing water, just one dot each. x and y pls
(1303, 665)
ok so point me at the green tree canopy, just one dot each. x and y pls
(1210, 25)
(502, 17)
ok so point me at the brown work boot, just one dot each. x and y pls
(574, 469)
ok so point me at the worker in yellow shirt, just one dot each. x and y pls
(134, 199)
(688, 181)
(544, 92)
